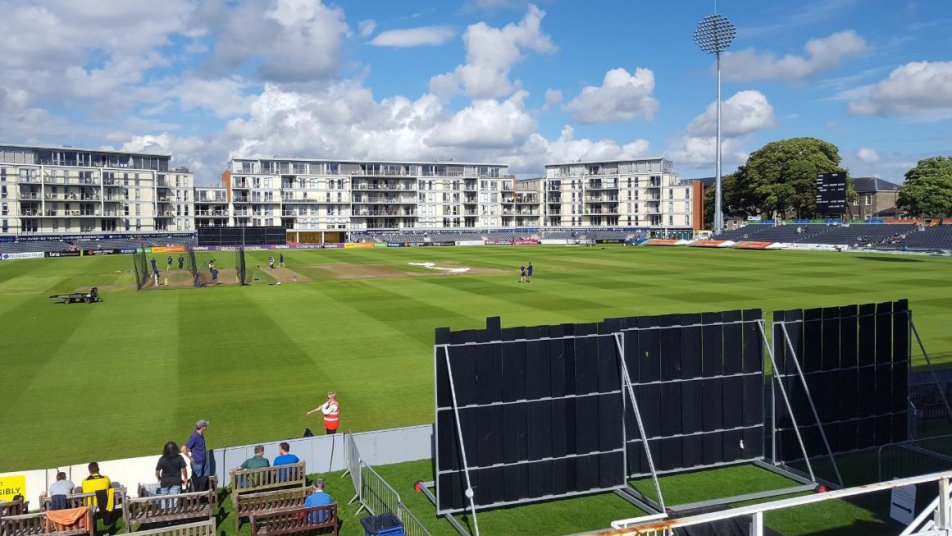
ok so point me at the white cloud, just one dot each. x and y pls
(553, 96)
(490, 55)
(414, 37)
(343, 119)
(742, 114)
(493, 5)
(62, 52)
(486, 123)
(621, 97)
(867, 155)
(366, 27)
(821, 54)
(224, 97)
(567, 148)
(699, 152)
(921, 90)
(289, 40)
(745, 112)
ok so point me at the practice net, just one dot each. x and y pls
(141, 267)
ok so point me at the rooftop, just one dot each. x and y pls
(873, 184)
(79, 150)
(279, 158)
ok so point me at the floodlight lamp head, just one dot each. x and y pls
(714, 34)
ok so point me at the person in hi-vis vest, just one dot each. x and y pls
(331, 411)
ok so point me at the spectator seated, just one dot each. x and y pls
(266, 479)
(296, 521)
(78, 498)
(72, 522)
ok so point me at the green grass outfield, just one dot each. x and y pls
(119, 378)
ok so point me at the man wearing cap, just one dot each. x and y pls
(196, 451)
(331, 411)
(318, 498)
(258, 461)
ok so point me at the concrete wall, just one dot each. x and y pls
(320, 453)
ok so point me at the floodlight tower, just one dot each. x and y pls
(714, 34)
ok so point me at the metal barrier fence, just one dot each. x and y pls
(915, 457)
(375, 494)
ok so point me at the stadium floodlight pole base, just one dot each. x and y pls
(806, 390)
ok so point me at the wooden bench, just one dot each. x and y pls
(169, 508)
(244, 481)
(268, 478)
(145, 490)
(201, 528)
(295, 521)
(78, 498)
(36, 524)
(14, 507)
(265, 502)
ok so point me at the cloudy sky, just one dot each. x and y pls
(490, 80)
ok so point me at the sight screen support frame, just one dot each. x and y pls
(860, 352)
(523, 420)
(619, 384)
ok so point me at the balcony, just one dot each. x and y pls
(386, 187)
(374, 213)
(520, 213)
(406, 200)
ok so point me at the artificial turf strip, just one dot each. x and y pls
(118, 379)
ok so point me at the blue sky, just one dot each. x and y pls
(507, 81)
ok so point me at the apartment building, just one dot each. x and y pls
(62, 190)
(620, 193)
(312, 194)
(211, 206)
(68, 190)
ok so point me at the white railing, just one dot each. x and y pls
(936, 519)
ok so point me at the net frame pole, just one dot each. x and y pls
(626, 380)
(786, 400)
(459, 432)
(806, 389)
(925, 355)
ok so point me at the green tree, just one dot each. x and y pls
(928, 188)
(737, 201)
(779, 179)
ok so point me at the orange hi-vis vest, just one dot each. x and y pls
(331, 415)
